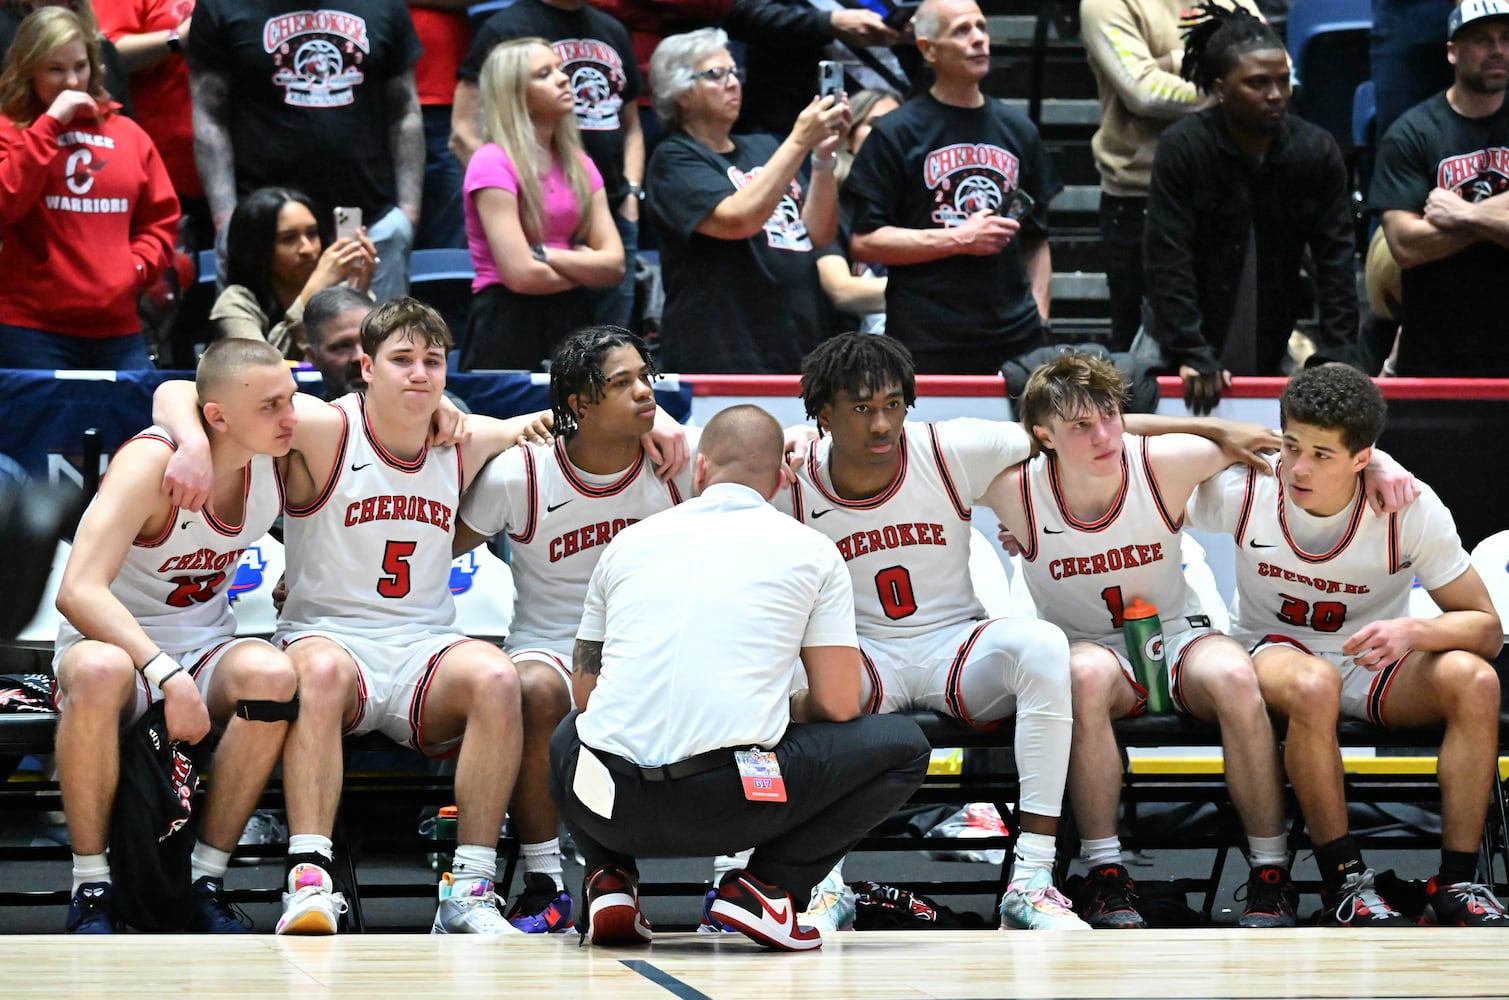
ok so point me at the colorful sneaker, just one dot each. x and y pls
(763, 913)
(1357, 904)
(711, 924)
(1108, 899)
(213, 915)
(832, 906)
(1271, 898)
(89, 910)
(1034, 904)
(476, 911)
(311, 905)
(613, 914)
(541, 908)
(1463, 904)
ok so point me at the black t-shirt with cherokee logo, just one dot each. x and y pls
(930, 165)
(1454, 312)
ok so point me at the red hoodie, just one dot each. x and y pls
(81, 206)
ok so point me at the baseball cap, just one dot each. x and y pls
(1474, 10)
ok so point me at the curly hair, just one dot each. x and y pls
(1335, 397)
(859, 364)
(1073, 384)
(577, 370)
(1215, 40)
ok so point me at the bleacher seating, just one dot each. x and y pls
(1329, 45)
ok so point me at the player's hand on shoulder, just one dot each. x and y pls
(1380, 643)
(540, 429)
(190, 475)
(187, 717)
(1247, 442)
(450, 427)
(799, 441)
(1390, 486)
(1008, 540)
(666, 445)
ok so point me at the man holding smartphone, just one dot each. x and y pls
(933, 190)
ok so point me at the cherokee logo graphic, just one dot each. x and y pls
(1477, 175)
(784, 230)
(597, 80)
(968, 177)
(318, 55)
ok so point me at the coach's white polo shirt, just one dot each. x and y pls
(703, 611)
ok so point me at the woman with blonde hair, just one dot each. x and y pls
(87, 213)
(13, 12)
(537, 220)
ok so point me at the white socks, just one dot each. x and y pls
(209, 861)
(90, 868)
(545, 858)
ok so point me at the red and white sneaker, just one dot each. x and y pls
(763, 913)
(613, 915)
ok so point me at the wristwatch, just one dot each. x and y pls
(635, 191)
(537, 251)
(175, 44)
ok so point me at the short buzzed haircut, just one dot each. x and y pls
(1335, 397)
(327, 305)
(404, 316)
(225, 359)
(744, 444)
(1072, 385)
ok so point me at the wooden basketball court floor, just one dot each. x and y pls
(949, 965)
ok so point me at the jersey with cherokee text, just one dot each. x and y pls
(907, 548)
(1083, 574)
(372, 552)
(175, 585)
(1318, 580)
(558, 520)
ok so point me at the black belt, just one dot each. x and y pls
(668, 772)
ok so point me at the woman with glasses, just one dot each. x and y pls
(537, 220)
(739, 216)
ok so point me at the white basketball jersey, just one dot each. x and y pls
(1083, 574)
(907, 548)
(559, 519)
(1318, 580)
(372, 553)
(175, 585)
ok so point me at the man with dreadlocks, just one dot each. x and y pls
(1239, 191)
(560, 504)
(898, 504)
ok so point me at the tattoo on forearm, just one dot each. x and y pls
(587, 657)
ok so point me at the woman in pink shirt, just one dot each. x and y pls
(537, 221)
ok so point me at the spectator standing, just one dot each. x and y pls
(738, 216)
(967, 285)
(1440, 185)
(1240, 192)
(445, 33)
(87, 212)
(855, 290)
(12, 12)
(539, 238)
(321, 100)
(598, 57)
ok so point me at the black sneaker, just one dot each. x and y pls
(213, 915)
(762, 912)
(89, 910)
(1108, 899)
(613, 914)
(1271, 898)
(1357, 904)
(541, 908)
(1463, 904)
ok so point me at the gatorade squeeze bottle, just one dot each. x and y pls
(1144, 638)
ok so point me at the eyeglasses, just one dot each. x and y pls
(718, 75)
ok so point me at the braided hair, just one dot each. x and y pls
(856, 363)
(577, 370)
(1216, 38)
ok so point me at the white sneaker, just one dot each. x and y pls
(311, 906)
(1034, 904)
(263, 829)
(479, 911)
(832, 906)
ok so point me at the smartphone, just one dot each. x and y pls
(1017, 204)
(900, 15)
(347, 222)
(830, 78)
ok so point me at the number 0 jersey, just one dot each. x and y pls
(372, 553)
(907, 548)
(175, 585)
(1083, 574)
(1318, 580)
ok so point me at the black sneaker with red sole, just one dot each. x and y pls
(613, 914)
(1107, 899)
(1271, 898)
(1462, 904)
(1356, 903)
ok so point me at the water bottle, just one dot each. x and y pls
(1143, 633)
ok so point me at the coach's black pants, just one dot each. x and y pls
(841, 780)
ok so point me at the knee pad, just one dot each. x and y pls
(261, 710)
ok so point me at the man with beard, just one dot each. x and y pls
(333, 337)
(1439, 188)
(1239, 192)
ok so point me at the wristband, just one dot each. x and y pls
(537, 250)
(823, 162)
(159, 668)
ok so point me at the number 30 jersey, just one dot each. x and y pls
(1083, 574)
(372, 553)
(1318, 580)
(907, 548)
